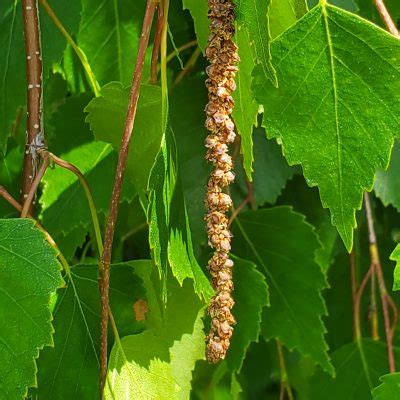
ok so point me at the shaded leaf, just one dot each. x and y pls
(109, 33)
(158, 362)
(29, 277)
(367, 9)
(70, 369)
(282, 245)
(334, 113)
(358, 368)
(271, 169)
(387, 182)
(63, 137)
(170, 236)
(187, 122)
(12, 54)
(306, 200)
(10, 172)
(106, 115)
(251, 296)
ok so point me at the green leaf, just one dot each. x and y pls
(348, 5)
(334, 113)
(29, 277)
(189, 131)
(70, 369)
(106, 115)
(59, 138)
(170, 236)
(252, 15)
(12, 55)
(64, 205)
(10, 171)
(109, 34)
(284, 13)
(271, 171)
(387, 182)
(395, 256)
(246, 109)
(389, 389)
(199, 10)
(158, 362)
(358, 368)
(251, 296)
(282, 245)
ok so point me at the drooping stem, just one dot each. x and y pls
(93, 211)
(386, 18)
(104, 280)
(375, 261)
(34, 74)
(157, 44)
(357, 303)
(78, 51)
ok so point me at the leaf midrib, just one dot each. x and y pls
(335, 96)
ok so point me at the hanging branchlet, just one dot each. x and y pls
(222, 54)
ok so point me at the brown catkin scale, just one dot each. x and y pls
(222, 54)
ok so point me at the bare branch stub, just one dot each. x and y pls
(34, 75)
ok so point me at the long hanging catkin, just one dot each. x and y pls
(221, 52)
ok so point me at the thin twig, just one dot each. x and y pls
(133, 231)
(356, 315)
(34, 74)
(373, 310)
(247, 199)
(35, 185)
(386, 18)
(353, 267)
(395, 313)
(285, 386)
(104, 280)
(78, 51)
(189, 65)
(157, 44)
(374, 254)
(177, 51)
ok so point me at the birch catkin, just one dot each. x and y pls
(221, 52)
